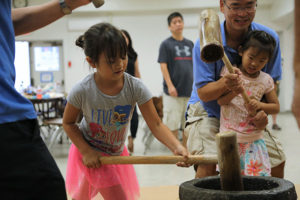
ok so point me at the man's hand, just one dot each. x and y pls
(233, 81)
(172, 91)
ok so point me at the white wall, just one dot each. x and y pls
(148, 29)
(287, 82)
(147, 32)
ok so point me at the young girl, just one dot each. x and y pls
(132, 69)
(106, 99)
(256, 51)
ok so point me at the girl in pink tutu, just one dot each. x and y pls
(106, 98)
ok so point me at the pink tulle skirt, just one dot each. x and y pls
(84, 183)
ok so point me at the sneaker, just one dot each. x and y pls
(276, 127)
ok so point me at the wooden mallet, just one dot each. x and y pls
(211, 42)
(211, 51)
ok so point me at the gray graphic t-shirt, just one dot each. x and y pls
(105, 118)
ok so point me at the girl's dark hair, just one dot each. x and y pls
(131, 52)
(103, 38)
(260, 39)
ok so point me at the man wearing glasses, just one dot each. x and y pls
(203, 111)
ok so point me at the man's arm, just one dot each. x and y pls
(226, 98)
(165, 72)
(32, 18)
(212, 90)
(215, 90)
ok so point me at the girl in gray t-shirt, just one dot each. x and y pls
(106, 100)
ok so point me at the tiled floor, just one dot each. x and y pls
(166, 175)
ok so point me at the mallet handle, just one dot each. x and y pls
(230, 69)
(157, 159)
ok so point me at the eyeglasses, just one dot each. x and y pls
(235, 9)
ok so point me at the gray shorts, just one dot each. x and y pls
(201, 130)
(275, 149)
(174, 111)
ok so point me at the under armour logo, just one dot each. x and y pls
(185, 50)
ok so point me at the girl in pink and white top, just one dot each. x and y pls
(255, 52)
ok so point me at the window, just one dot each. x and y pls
(46, 58)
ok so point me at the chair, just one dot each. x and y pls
(50, 113)
(56, 133)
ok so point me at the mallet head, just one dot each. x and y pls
(210, 37)
(98, 3)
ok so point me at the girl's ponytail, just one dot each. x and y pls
(80, 41)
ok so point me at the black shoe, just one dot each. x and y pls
(276, 127)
